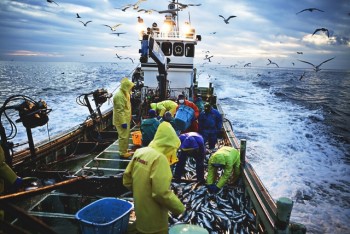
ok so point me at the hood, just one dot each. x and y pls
(217, 158)
(166, 142)
(189, 143)
(153, 106)
(126, 85)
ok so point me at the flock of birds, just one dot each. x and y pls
(316, 68)
(181, 6)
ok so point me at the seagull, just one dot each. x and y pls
(118, 33)
(85, 24)
(208, 57)
(323, 30)
(270, 62)
(293, 63)
(184, 6)
(78, 16)
(247, 65)
(316, 68)
(51, 1)
(119, 57)
(299, 52)
(130, 59)
(302, 76)
(139, 20)
(309, 9)
(212, 33)
(122, 46)
(147, 11)
(226, 20)
(113, 28)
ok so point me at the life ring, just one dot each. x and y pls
(178, 49)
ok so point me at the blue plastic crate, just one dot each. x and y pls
(183, 117)
(106, 215)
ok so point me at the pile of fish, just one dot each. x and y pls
(224, 212)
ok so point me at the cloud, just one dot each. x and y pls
(32, 53)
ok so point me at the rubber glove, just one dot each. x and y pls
(212, 188)
(18, 182)
(124, 125)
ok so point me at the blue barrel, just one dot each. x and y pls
(183, 117)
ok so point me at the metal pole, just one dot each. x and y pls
(243, 151)
(31, 142)
(284, 210)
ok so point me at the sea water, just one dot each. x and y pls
(297, 131)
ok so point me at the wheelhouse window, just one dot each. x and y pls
(189, 50)
(178, 49)
(167, 48)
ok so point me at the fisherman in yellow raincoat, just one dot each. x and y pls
(148, 175)
(227, 158)
(122, 115)
(7, 175)
(163, 106)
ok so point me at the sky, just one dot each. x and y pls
(36, 30)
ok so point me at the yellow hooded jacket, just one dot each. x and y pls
(230, 158)
(163, 106)
(167, 141)
(6, 173)
(121, 103)
(149, 176)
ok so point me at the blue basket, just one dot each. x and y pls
(183, 117)
(106, 215)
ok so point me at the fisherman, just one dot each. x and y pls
(122, 115)
(194, 124)
(199, 102)
(192, 144)
(7, 175)
(165, 126)
(149, 127)
(148, 176)
(163, 106)
(210, 124)
(227, 158)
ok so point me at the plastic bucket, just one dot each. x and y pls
(187, 229)
(136, 138)
(106, 215)
(183, 117)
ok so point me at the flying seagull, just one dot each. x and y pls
(208, 57)
(78, 16)
(85, 24)
(184, 6)
(309, 9)
(118, 33)
(270, 62)
(113, 28)
(302, 76)
(299, 52)
(51, 1)
(323, 30)
(130, 59)
(247, 65)
(226, 20)
(316, 68)
(123, 46)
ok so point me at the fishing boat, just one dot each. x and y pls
(83, 164)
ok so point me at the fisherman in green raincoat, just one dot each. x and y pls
(163, 106)
(227, 158)
(7, 175)
(122, 115)
(148, 175)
